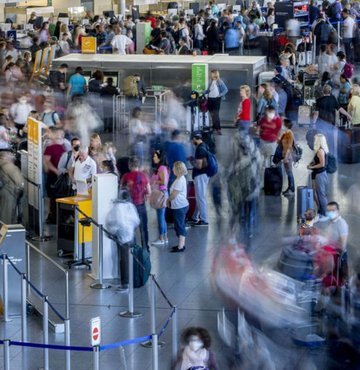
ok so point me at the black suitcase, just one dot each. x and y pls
(296, 263)
(305, 200)
(349, 145)
(273, 180)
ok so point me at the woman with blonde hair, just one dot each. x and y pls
(178, 202)
(216, 92)
(354, 105)
(265, 98)
(243, 119)
(319, 175)
(96, 151)
(78, 35)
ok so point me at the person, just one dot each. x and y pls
(196, 353)
(338, 67)
(308, 228)
(270, 126)
(282, 96)
(50, 117)
(201, 180)
(199, 35)
(344, 92)
(44, 34)
(122, 222)
(287, 143)
(178, 202)
(68, 158)
(216, 91)
(213, 38)
(107, 166)
(354, 105)
(270, 19)
(96, 150)
(243, 119)
(11, 189)
(77, 83)
(314, 11)
(52, 155)
(319, 175)
(138, 134)
(183, 48)
(120, 42)
(57, 78)
(95, 82)
(159, 181)
(165, 44)
(139, 187)
(265, 98)
(83, 167)
(174, 151)
(231, 39)
(19, 111)
(107, 92)
(4, 137)
(349, 25)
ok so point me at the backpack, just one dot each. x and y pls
(348, 70)
(130, 86)
(212, 164)
(142, 266)
(331, 165)
(296, 153)
(52, 117)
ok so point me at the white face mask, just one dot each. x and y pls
(23, 100)
(270, 115)
(195, 345)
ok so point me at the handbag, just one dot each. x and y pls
(158, 199)
(62, 187)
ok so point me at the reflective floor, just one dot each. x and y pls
(185, 278)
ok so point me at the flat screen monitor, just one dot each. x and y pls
(63, 15)
(195, 7)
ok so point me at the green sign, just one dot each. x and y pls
(199, 77)
(147, 32)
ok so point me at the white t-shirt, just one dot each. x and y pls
(20, 112)
(84, 170)
(120, 42)
(180, 201)
(214, 90)
(348, 28)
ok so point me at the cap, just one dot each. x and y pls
(196, 134)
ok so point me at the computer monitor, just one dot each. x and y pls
(109, 13)
(3, 231)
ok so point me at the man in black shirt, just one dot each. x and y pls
(107, 92)
(57, 79)
(201, 180)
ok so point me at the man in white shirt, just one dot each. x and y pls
(120, 42)
(84, 167)
(68, 158)
(348, 35)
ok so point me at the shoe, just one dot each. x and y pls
(201, 223)
(288, 193)
(176, 249)
(158, 242)
(124, 288)
(192, 221)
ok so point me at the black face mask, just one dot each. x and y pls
(76, 148)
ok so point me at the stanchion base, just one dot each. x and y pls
(148, 344)
(44, 238)
(100, 286)
(130, 315)
(3, 320)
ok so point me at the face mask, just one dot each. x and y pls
(310, 223)
(195, 345)
(76, 148)
(271, 115)
(23, 100)
(331, 214)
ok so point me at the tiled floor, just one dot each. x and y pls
(184, 277)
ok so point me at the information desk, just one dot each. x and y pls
(70, 233)
(175, 71)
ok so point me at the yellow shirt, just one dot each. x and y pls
(354, 109)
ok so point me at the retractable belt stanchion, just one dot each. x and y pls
(150, 343)
(5, 287)
(130, 314)
(46, 331)
(96, 358)
(175, 345)
(23, 308)
(155, 352)
(338, 34)
(7, 354)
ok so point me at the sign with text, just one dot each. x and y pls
(199, 77)
(95, 324)
(88, 45)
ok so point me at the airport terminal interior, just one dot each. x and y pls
(179, 185)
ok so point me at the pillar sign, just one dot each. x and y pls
(199, 77)
(95, 324)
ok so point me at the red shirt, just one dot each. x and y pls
(55, 151)
(269, 130)
(137, 184)
(245, 110)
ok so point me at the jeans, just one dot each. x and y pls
(201, 211)
(179, 220)
(244, 126)
(247, 211)
(123, 250)
(160, 213)
(141, 208)
(288, 169)
(320, 191)
(214, 109)
(198, 44)
(349, 49)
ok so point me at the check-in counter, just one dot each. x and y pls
(70, 232)
(174, 71)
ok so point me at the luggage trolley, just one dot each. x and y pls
(155, 102)
(121, 117)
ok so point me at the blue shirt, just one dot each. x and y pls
(77, 84)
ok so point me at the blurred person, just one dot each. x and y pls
(19, 111)
(155, 34)
(165, 44)
(241, 35)
(265, 98)
(159, 181)
(231, 39)
(344, 92)
(11, 189)
(120, 42)
(78, 34)
(68, 158)
(57, 78)
(96, 81)
(319, 175)
(50, 117)
(183, 48)
(8, 59)
(243, 118)
(196, 353)
(307, 227)
(314, 11)
(322, 30)
(100, 35)
(11, 50)
(293, 30)
(349, 25)
(354, 105)
(107, 92)
(254, 11)
(199, 35)
(13, 74)
(216, 92)
(335, 11)
(139, 131)
(338, 67)
(34, 48)
(64, 44)
(270, 19)
(139, 187)
(122, 221)
(77, 83)
(107, 166)
(96, 151)
(213, 38)
(2, 54)
(44, 34)
(52, 155)
(201, 179)
(83, 167)
(179, 204)
(282, 97)
(252, 33)
(32, 18)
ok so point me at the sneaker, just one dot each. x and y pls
(124, 288)
(288, 193)
(201, 223)
(176, 249)
(192, 221)
(158, 242)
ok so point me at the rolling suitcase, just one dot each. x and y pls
(273, 180)
(349, 145)
(305, 200)
(142, 266)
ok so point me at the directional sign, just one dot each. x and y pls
(95, 331)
